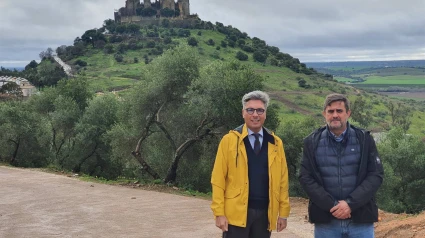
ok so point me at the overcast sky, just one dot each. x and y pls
(311, 30)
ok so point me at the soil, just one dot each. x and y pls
(400, 225)
(38, 204)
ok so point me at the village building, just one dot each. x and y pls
(26, 87)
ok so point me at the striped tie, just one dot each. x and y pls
(257, 145)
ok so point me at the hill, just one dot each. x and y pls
(113, 58)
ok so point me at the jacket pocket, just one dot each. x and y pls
(317, 215)
(367, 213)
(232, 193)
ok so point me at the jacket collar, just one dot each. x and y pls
(242, 132)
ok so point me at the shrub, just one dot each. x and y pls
(215, 55)
(81, 63)
(121, 48)
(260, 56)
(241, 56)
(150, 44)
(152, 34)
(247, 48)
(167, 40)
(183, 33)
(118, 57)
(274, 62)
(211, 42)
(192, 41)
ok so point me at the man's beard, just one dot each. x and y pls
(333, 126)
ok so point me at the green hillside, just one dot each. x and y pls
(297, 90)
(113, 58)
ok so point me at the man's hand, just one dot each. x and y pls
(221, 222)
(341, 210)
(281, 224)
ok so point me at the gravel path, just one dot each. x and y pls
(37, 204)
(66, 68)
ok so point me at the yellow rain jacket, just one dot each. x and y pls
(230, 180)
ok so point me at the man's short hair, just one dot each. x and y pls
(335, 97)
(256, 95)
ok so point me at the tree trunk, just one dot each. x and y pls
(15, 153)
(145, 166)
(145, 133)
(172, 171)
(77, 168)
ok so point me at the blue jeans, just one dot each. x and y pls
(344, 229)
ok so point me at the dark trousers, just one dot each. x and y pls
(257, 225)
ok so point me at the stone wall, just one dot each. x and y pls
(170, 4)
(128, 13)
(184, 7)
(174, 22)
(147, 3)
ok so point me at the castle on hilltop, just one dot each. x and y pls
(138, 12)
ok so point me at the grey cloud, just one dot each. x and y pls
(310, 30)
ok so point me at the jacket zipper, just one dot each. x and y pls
(237, 152)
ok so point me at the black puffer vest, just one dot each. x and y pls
(338, 163)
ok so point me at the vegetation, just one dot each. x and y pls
(401, 79)
(172, 108)
(404, 178)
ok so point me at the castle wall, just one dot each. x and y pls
(128, 13)
(185, 8)
(131, 6)
(147, 3)
(174, 22)
(168, 4)
(128, 19)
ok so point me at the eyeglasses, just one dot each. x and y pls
(251, 111)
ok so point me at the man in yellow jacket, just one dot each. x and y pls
(250, 176)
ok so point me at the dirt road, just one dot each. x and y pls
(37, 204)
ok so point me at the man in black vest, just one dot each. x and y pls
(250, 176)
(341, 173)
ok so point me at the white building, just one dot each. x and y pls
(27, 88)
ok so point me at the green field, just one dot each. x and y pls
(392, 71)
(346, 68)
(343, 79)
(398, 79)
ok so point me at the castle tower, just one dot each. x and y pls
(168, 4)
(147, 3)
(184, 7)
(131, 6)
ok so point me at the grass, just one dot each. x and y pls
(396, 80)
(295, 103)
(393, 71)
(345, 68)
(153, 185)
(343, 79)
